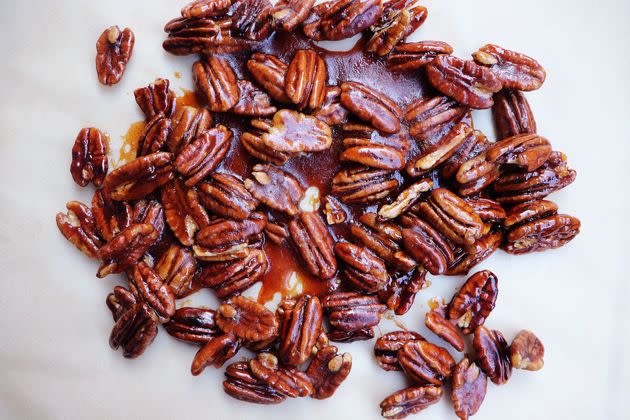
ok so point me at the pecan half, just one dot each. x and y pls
(202, 156)
(226, 196)
(89, 157)
(371, 106)
(126, 248)
(193, 325)
(277, 233)
(140, 177)
(526, 151)
(362, 269)
(205, 8)
(514, 70)
(471, 255)
(527, 352)
(353, 311)
(247, 319)
(424, 362)
(416, 55)
(410, 401)
(374, 156)
(177, 267)
(315, 244)
(226, 240)
(241, 384)
(399, 19)
(431, 119)
(113, 51)
(134, 331)
(301, 326)
(292, 132)
(269, 72)
(328, 370)
(386, 348)
(151, 212)
(305, 80)
(154, 135)
(342, 336)
(512, 114)
(157, 98)
(493, 354)
(78, 227)
(340, 19)
(186, 125)
(489, 211)
(146, 283)
(468, 83)
(120, 301)
(184, 214)
(215, 352)
(432, 157)
(363, 185)
(288, 14)
(469, 388)
(215, 81)
(472, 146)
(335, 213)
(231, 277)
(253, 144)
(252, 101)
(426, 245)
(275, 188)
(400, 293)
(251, 19)
(444, 329)
(288, 381)
(110, 217)
(472, 304)
(331, 112)
(405, 199)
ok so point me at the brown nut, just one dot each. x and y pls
(405, 199)
(269, 72)
(252, 101)
(305, 80)
(110, 217)
(469, 388)
(155, 99)
(424, 362)
(113, 51)
(512, 114)
(241, 384)
(231, 277)
(386, 348)
(400, 293)
(226, 240)
(341, 336)
(444, 329)
(120, 301)
(473, 146)
(514, 70)
(331, 112)
(78, 227)
(89, 157)
(288, 14)
(293, 132)
(193, 325)
(226, 196)
(352, 311)
(362, 269)
(177, 267)
(277, 233)
(468, 257)
(247, 319)
(286, 380)
(363, 185)
(151, 212)
(126, 248)
(275, 188)
(328, 370)
(340, 19)
(205, 8)
(253, 144)
(315, 244)
(205, 35)
(147, 284)
(187, 123)
(493, 354)
(203, 155)
(251, 19)
(215, 81)
(425, 245)
(398, 20)
(184, 214)
(472, 304)
(215, 352)
(431, 119)
(374, 156)
(335, 213)
(140, 177)
(432, 157)
(525, 151)
(527, 352)
(371, 106)
(134, 331)
(416, 55)
(300, 327)
(154, 135)
(410, 401)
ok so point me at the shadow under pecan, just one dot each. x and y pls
(468, 83)
(226, 240)
(269, 72)
(113, 51)
(252, 101)
(286, 380)
(288, 14)
(341, 19)
(472, 304)
(78, 227)
(215, 81)
(89, 157)
(353, 311)
(186, 125)
(275, 188)
(228, 278)
(140, 177)
(205, 8)
(301, 325)
(203, 155)
(362, 269)
(444, 329)
(192, 325)
(241, 384)
(331, 112)
(371, 106)
(468, 257)
(215, 352)
(177, 267)
(410, 400)
(512, 114)
(386, 348)
(247, 319)
(527, 352)
(468, 388)
(514, 70)
(184, 213)
(226, 196)
(328, 370)
(401, 291)
(134, 331)
(315, 244)
(110, 217)
(305, 80)
(126, 248)
(537, 226)
(363, 185)
(425, 245)
(415, 55)
(155, 99)
(147, 284)
(424, 362)
(405, 200)
(399, 19)
(493, 354)
(154, 135)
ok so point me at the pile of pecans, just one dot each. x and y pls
(417, 190)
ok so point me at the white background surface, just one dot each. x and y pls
(55, 361)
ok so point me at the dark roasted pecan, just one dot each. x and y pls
(362, 269)
(156, 99)
(288, 14)
(352, 311)
(468, 83)
(512, 114)
(405, 199)
(363, 185)
(426, 245)
(424, 362)
(154, 135)
(472, 305)
(315, 244)
(230, 277)
(147, 284)
(400, 293)
(119, 301)
(252, 101)
(444, 329)
(193, 325)
(415, 55)
(371, 106)
(269, 72)
(331, 112)
(226, 196)
(79, 228)
(215, 352)
(471, 255)
(226, 240)
(140, 177)
(410, 401)
(203, 155)
(335, 213)
(243, 385)
(126, 248)
(299, 330)
(247, 319)
(493, 354)
(292, 132)
(386, 348)
(110, 217)
(277, 233)
(177, 267)
(89, 157)
(205, 8)
(432, 157)
(340, 19)
(184, 214)
(341, 336)
(536, 226)
(216, 82)
(514, 70)
(286, 380)
(433, 118)
(527, 352)
(328, 370)
(275, 188)
(468, 389)
(113, 51)
(305, 80)
(134, 331)
(399, 19)
(187, 124)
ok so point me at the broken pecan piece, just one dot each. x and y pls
(362, 269)
(154, 135)
(399, 19)
(227, 196)
(468, 389)
(426, 245)
(410, 401)
(184, 214)
(315, 244)
(134, 331)
(110, 217)
(371, 106)
(424, 362)
(140, 177)
(305, 80)
(341, 19)
(177, 267)
(512, 114)
(493, 354)
(126, 248)
(147, 284)
(363, 185)
(286, 380)
(386, 348)
(514, 70)
(203, 155)
(472, 304)
(288, 14)
(331, 112)
(252, 101)
(89, 157)
(247, 319)
(275, 188)
(113, 51)
(186, 125)
(241, 384)
(444, 329)
(215, 352)
(193, 325)
(215, 81)
(231, 277)
(205, 8)
(157, 98)
(353, 311)
(300, 327)
(415, 55)
(328, 370)
(78, 227)
(226, 240)
(527, 352)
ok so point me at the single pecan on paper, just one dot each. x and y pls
(89, 157)
(113, 51)
(468, 388)
(514, 70)
(156, 98)
(493, 354)
(192, 325)
(527, 351)
(327, 370)
(215, 352)
(140, 177)
(386, 348)
(275, 188)
(315, 244)
(410, 400)
(226, 196)
(78, 227)
(184, 213)
(474, 301)
(444, 329)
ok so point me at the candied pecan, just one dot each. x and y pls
(226, 196)
(493, 354)
(426, 245)
(89, 157)
(475, 174)
(156, 99)
(243, 385)
(489, 211)
(154, 135)
(288, 14)
(275, 188)
(134, 331)
(472, 255)
(126, 248)
(410, 401)
(277, 233)
(472, 304)
(146, 283)
(371, 106)
(293, 132)
(140, 177)
(405, 199)
(215, 81)
(193, 325)
(216, 351)
(247, 319)
(150, 212)
(300, 327)
(186, 125)
(415, 55)
(203, 155)
(252, 101)
(305, 80)
(353, 311)
(225, 240)
(231, 277)
(514, 70)
(113, 51)
(341, 336)
(269, 72)
(331, 112)
(400, 293)
(433, 156)
(472, 146)
(328, 370)
(177, 267)
(315, 244)
(205, 8)
(78, 227)
(433, 118)
(468, 83)
(363, 185)
(288, 381)
(512, 114)
(424, 362)
(335, 214)
(110, 217)
(536, 226)
(526, 151)
(184, 214)
(254, 145)
(444, 329)
(340, 19)
(386, 348)
(374, 156)
(362, 269)
(526, 351)
(399, 19)
(251, 19)
(468, 389)
(119, 301)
